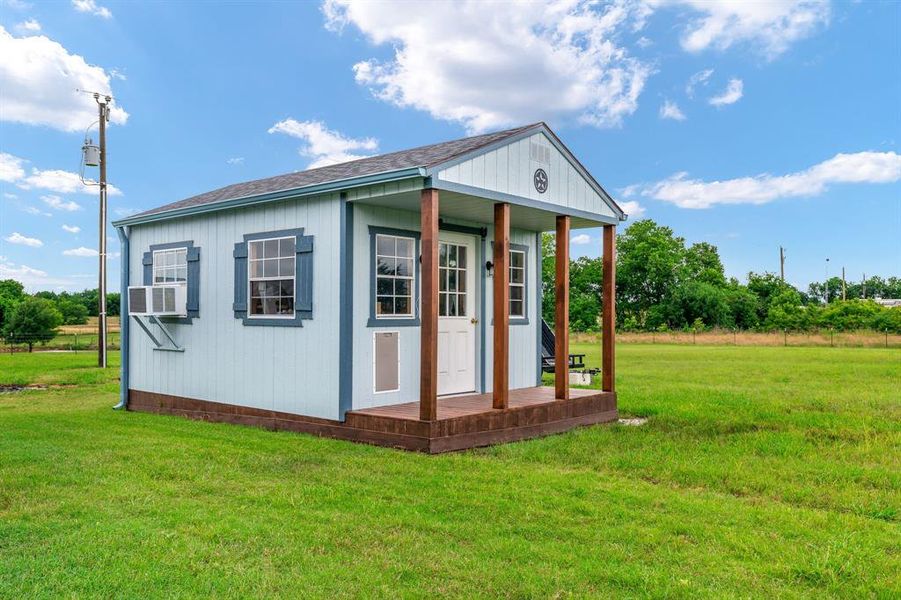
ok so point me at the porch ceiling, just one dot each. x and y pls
(456, 205)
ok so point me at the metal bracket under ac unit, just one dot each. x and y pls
(157, 343)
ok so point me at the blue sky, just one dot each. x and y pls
(746, 125)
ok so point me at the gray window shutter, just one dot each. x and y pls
(147, 261)
(240, 304)
(304, 276)
(193, 300)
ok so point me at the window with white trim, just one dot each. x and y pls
(517, 283)
(170, 266)
(394, 274)
(271, 272)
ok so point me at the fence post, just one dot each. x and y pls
(831, 338)
(886, 337)
(785, 337)
(76, 343)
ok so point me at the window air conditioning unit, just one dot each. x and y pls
(158, 300)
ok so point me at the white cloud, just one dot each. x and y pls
(632, 208)
(699, 78)
(323, 145)
(117, 74)
(9, 196)
(236, 160)
(18, 238)
(54, 180)
(71, 228)
(21, 273)
(81, 251)
(771, 26)
(57, 203)
(671, 110)
(580, 239)
(39, 78)
(91, 7)
(861, 167)
(489, 64)
(125, 212)
(32, 210)
(11, 167)
(31, 26)
(732, 94)
(644, 42)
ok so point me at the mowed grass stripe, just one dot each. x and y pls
(731, 489)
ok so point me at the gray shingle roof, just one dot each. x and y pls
(424, 156)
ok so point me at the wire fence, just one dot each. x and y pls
(67, 342)
(722, 337)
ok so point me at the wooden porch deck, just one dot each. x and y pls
(463, 421)
(470, 421)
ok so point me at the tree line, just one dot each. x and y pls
(664, 284)
(34, 318)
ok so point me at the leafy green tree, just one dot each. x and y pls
(850, 315)
(743, 306)
(73, 312)
(649, 260)
(702, 263)
(692, 303)
(585, 276)
(785, 312)
(887, 319)
(32, 321)
(113, 302)
(11, 293)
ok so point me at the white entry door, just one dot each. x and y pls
(457, 312)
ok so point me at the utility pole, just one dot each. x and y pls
(103, 107)
(827, 280)
(843, 284)
(864, 286)
(782, 263)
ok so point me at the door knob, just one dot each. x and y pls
(474, 321)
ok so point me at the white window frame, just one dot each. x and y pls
(154, 268)
(251, 279)
(522, 285)
(411, 278)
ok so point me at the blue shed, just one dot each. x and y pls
(393, 300)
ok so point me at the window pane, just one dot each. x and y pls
(517, 275)
(461, 305)
(405, 247)
(256, 289)
(256, 268)
(272, 288)
(452, 257)
(181, 258)
(452, 305)
(442, 255)
(169, 258)
(384, 306)
(405, 267)
(384, 286)
(442, 305)
(461, 257)
(256, 306)
(182, 273)
(516, 292)
(286, 288)
(270, 268)
(386, 266)
(402, 306)
(452, 280)
(286, 247)
(516, 308)
(402, 287)
(516, 259)
(270, 306)
(461, 281)
(270, 248)
(255, 250)
(158, 277)
(286, 306)
(442, 280)
(384, 245)
(286, 267)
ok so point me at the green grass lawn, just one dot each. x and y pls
(761, 472)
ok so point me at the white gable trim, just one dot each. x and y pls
(434, 171)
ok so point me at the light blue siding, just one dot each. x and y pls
(286, 369)
(509, 169)
(523, 338)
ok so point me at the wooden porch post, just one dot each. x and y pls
(608, 318)
(561, 313)
(428, 369)
(501, 305)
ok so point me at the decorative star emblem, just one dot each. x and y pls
(540, 180)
